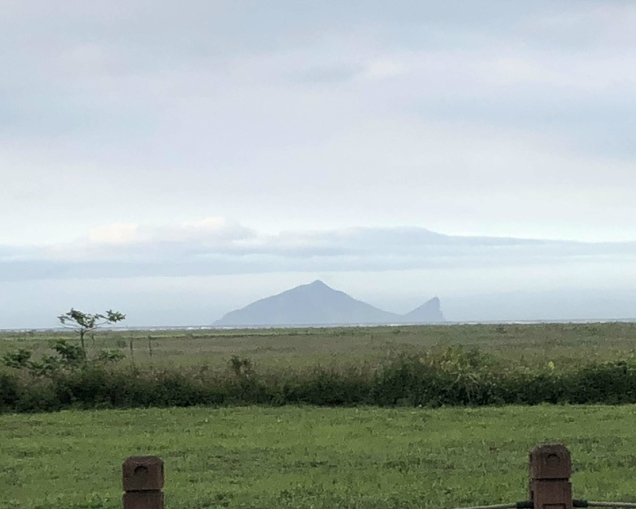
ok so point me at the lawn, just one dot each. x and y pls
(306, 457)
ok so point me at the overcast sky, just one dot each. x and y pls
(179, 158)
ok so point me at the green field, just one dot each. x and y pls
(314, 458)
(522, 344)
(465, 365)
(304, 457)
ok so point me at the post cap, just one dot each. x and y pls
(550, 461)
(143, 473)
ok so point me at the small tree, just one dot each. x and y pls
(86, 322)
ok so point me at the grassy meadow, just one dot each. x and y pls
(531, 345)
(464, 365)
(307, 457)
(300, 456)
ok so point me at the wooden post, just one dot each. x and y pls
(143, 481)
(550, 471)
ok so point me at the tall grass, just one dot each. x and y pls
(531, 345)
(455, 376)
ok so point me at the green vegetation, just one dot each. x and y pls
(455, 376)
(300, 457)
(406, 456)
(405, 366)
(530, 345)
(84, 323)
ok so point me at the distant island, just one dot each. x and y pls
(318, 304)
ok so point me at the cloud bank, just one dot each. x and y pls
(215, 246)
(192, 273)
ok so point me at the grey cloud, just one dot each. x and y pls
(327, 74)
(495, 117)
(122, 70)
(246, 252)
(597, 126)
(268, 110)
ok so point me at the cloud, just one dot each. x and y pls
(121, 123)
(117, 233)
(492, 117)
(382, 69)
(210, 229)
(215, 246)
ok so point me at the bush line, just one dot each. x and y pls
(456, 377)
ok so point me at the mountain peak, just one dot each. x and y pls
(430, 311)
(315, 287)
(316, 303)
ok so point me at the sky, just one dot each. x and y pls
(175, 160)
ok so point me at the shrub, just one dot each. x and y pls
(451, 377)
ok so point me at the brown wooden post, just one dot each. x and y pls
(550, 471)
(143, 481)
